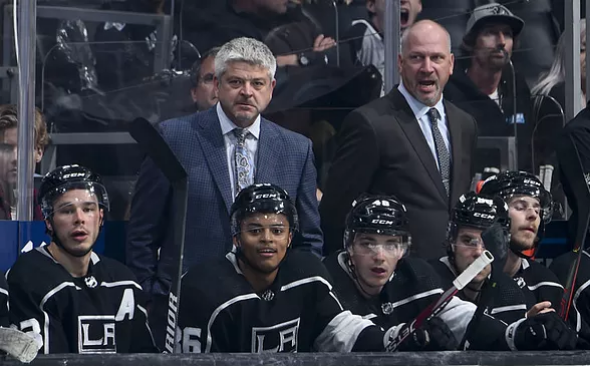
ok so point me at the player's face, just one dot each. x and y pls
(244, 91)
(467, 248)
(525, 220)
(264, 239)
(375, 257)
(76, 221)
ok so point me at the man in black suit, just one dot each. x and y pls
(391, 147)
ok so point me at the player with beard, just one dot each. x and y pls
(70, 299)
(472, 215)
(266, 297)
(530, 208)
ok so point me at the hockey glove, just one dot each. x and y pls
(545, 331)
(434, 335)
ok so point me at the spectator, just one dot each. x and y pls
(549, 103)
(202, 74)
(68, 298)
(390, 146)
(7, 182)
(482, 85)
(8, 131)
(290, 34)
(366, 38)
(208, 145)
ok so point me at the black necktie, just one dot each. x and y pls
(444, 159)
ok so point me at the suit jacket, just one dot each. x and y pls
(284, 158)
(382, 150)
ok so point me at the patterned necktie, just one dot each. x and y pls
(243, 164)
(444, 160)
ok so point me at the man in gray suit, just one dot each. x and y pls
(411, 144)
(223, 149)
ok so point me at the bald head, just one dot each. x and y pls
(426, 62)
(426, 29)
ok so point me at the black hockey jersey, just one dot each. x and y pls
(100, 313)
(4, 322)
(220, 312)
(413, 287)
(508, 303)
(579, 313)
(538, 283)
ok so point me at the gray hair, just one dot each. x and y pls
(556, 73)
(247, 50)
(407, 31)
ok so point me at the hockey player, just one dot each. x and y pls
(470, 217)
(70, 299)
(530, 209)
(373, 278)
(264, 296)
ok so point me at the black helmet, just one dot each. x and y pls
(478, 211)
(263, 198)
(512, 183)
(377, 215)
(66, 178)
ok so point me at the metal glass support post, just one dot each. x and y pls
(391, 37)
(27, 29)
(573, 98)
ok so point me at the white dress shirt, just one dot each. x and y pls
(420, 112)
(230, 140)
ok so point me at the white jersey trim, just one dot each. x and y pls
(416, 297)
(57, 289)
(306, 281)
(121, 283)
(575, 300)
(219, 309)
(502, 309)
(545, 283)
(3, 291)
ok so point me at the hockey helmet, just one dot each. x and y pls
(513, 183)
(66, 178)
(478, 211)
(263, 198)
(377, 214)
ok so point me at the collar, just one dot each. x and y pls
(420, 109)
(227, 125)
(446, 262)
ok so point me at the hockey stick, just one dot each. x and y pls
(438, 306)
(153, 144)
(17, 344)
(572, 169)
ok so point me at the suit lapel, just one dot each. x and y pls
(456, 143)
(412, 129)
(209, 135)
(269, 148)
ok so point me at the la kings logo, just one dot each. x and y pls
(96, 334)
(278, 338)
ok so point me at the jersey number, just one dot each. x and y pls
(32, 328)
(191, 340)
